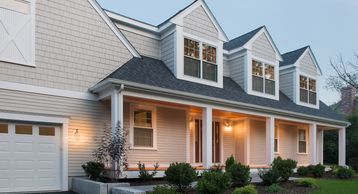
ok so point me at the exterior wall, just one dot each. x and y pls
(307, 65)
(75, 48)
(240, 136)
(199, 24)
(171, 138)
(288, 144)
(146, 46)
(89, 117)
(262, 48)
(226, 66)
(228, 143)
(168, 51)
(257, 142)
(237, 70)
(287, 85)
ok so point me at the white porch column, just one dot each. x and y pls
(313, 143)
(270, 139)
(207, 137)
(116, 108)
(342, 147)
(320, 134)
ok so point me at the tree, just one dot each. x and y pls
(346, 73)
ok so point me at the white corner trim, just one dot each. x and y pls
(47, 91)
(114, 28)
(64, 139)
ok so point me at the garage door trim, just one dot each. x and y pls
(63, 121)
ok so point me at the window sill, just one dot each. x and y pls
(143, 148)
(302, 153)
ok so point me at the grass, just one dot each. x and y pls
(334, 186)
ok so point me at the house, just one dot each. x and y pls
(182, 89)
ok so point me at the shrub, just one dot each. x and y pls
(353, 162)
(213, 182)
(229, 162)
(303, 171)
(163, 190)
(249, 189)
(181, 175)
(269, 177)
(317, 171)
(284, 167)
(240, 174)
(343, 172)
(93, 170)
(144, 175)
(307, 182)
(274, 188)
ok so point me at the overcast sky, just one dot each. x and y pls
(329, 26)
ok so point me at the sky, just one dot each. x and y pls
(330, 27)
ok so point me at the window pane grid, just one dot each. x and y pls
(143, 118)
(302, 141)
(263, 78)
(143, 137)
(308, 89)
(4, 128)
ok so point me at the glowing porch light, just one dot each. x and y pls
(227, 126)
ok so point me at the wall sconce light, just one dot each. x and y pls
(227, 126)
(191, 120)
(76, 132)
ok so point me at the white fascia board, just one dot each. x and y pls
(114, 28)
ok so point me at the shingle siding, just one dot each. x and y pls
(146, 46)
(287, 84)
(168, 51)
(262, 48)
(237, 70)
(199, 24)
(307, 65)
(75, 48)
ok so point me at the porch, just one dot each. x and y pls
(165, 130)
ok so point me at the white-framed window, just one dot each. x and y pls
(200, 60)
(143, 127)
(308, 90)
(302, 141)
(4, 128)
(263, 77)
(276, 140)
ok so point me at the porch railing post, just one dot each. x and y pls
(207, 137)
(270, 139)
(313, 142)
(342, 147)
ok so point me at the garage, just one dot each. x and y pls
(30, 157)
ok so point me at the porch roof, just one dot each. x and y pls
(153, 72)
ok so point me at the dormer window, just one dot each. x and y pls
(308, 92)
(200, 60)
(263, 77)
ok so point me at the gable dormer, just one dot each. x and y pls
(198, 45)
(253, 62)
(299, 77)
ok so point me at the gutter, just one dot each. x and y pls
(210, 100)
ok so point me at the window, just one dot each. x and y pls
(23, 129)
(263, 77)
(4, 128)
(308, 93)
(302, 141)
(47, 131)
(276, 140)
(200, 60)
(143, 129)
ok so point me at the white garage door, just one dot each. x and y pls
(30, 157)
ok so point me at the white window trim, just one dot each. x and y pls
(297, 95)
(154, 126)
(298, 140)
(278, 139)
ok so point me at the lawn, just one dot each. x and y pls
(334, 186)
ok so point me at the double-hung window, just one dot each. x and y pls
(200, 60)
(276, 140)
(143, 128)
(302, 141)
(263, 77)
(308, 92)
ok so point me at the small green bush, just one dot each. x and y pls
(163, 190)
(303, 171)
(229, 162)
(180, 175)
(144, 175)
(344, 172)
(240, 174)
(269, 177)
(317, 171)
(213, 182)
(274, 188)
(307, 182)
(353, 162)
(284, 167)
(248, 189)
(93, 170)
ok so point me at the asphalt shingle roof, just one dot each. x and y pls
(241, 40)
(154, 72)
(290, 58)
